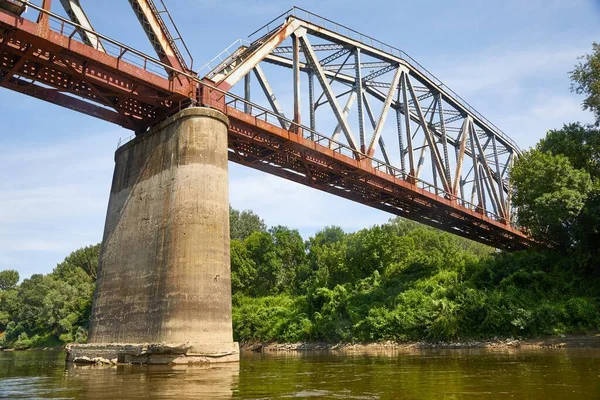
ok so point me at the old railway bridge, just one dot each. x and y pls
(343, 113)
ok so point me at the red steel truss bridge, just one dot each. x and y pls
(342, 112)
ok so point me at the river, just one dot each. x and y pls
(423, 374)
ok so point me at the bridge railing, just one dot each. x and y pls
(367, 40)
(66, 27)
(222, 56)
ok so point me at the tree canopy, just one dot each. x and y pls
(550, 195)
(585, 80)
(8, 279)
(243, 223)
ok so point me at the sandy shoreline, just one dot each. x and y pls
(556, 342)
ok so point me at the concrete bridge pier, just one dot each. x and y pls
(163, 293)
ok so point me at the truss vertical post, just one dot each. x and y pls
(460, 156)
(359, 89)
(477, 182)
(489, 190)
(247, 82)
(311, 100)
(444, 139)
(296, 61)
(43, 19)
(400, 140)
(499, 175)
(399, 127)
(411, 156)
(509, 209)
(482, 188)
(434, 173)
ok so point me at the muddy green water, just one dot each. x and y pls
(450, 374)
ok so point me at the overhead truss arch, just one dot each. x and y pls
(360, 80)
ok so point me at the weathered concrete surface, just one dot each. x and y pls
(164, 274)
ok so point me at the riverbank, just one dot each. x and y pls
(590, 341)
(555, 342)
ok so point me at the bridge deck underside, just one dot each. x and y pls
(268, 148)
(53, 67)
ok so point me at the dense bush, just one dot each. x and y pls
(402, 281)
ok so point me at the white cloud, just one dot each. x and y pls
(53, 199)
(506, 71)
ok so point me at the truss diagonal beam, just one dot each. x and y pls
(77, 15)
(430, 139)
(314, 63)
(489, 175)
(270, 95)
(228, 81)
(386, 156)
(158, 34)
(460, 155)
(347, 107)
(385, 110)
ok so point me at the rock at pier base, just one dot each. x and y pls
(154, 353)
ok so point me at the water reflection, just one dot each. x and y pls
(425, 374)
(156, 381)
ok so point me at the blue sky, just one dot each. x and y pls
(509, 59)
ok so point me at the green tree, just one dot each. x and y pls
(243, 269)
(291, 252)
(549, 194)
(261, 250)
(586, 80)
(242, 224)
(326, 255)
(579, 143)
(82, 260)
(8, 279)
(9, 302)
(587, 232)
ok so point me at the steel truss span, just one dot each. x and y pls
(399, 140)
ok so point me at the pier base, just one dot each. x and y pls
(163, 293)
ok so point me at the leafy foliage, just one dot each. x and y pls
(8, 279)
(579, 143)
(550, 194)
(586, 80)
(47, 310)
(243, 224)
(403, 281)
